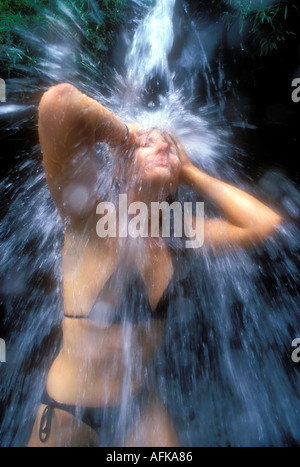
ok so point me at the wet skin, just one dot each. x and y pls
(90, 368)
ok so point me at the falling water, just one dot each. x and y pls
(225, 372)
(152, 42)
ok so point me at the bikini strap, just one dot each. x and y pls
(76, 316)
(45, 423)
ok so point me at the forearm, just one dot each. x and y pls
(78, 111)
(108, 128)
(240, 208)
(69, 125)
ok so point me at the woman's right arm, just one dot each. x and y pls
(70, 123)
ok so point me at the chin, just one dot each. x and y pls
(158, 175)
(161, 178)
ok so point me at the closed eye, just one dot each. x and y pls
(149, 143)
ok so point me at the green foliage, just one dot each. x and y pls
(94, 24)
(17, 13)
(271, 23)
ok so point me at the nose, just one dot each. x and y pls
(161, 147)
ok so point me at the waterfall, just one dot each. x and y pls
(152, 42)
(225, 372)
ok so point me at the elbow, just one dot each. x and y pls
(56, 97)
(57, 93)
(256, 236)
(275, 222)
(270, 225)
(278, 221)
(54, 104)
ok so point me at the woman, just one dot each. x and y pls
(102, 277)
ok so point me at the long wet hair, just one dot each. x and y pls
(119, 178)
(123, 154)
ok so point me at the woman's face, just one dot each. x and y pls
(156, 160)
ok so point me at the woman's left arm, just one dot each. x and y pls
(247, 220)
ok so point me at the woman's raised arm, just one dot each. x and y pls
(70, 123)
(247, 220)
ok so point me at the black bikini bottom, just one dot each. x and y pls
(105, 420)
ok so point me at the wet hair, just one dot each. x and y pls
(168, 137)
(175, 142)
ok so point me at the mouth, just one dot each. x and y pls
(160, 162)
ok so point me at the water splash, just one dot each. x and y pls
(152, 42)
(226, 372)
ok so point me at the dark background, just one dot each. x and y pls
(257, 89)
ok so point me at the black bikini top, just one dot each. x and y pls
(134, 306)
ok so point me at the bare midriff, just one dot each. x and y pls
(95, 360)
